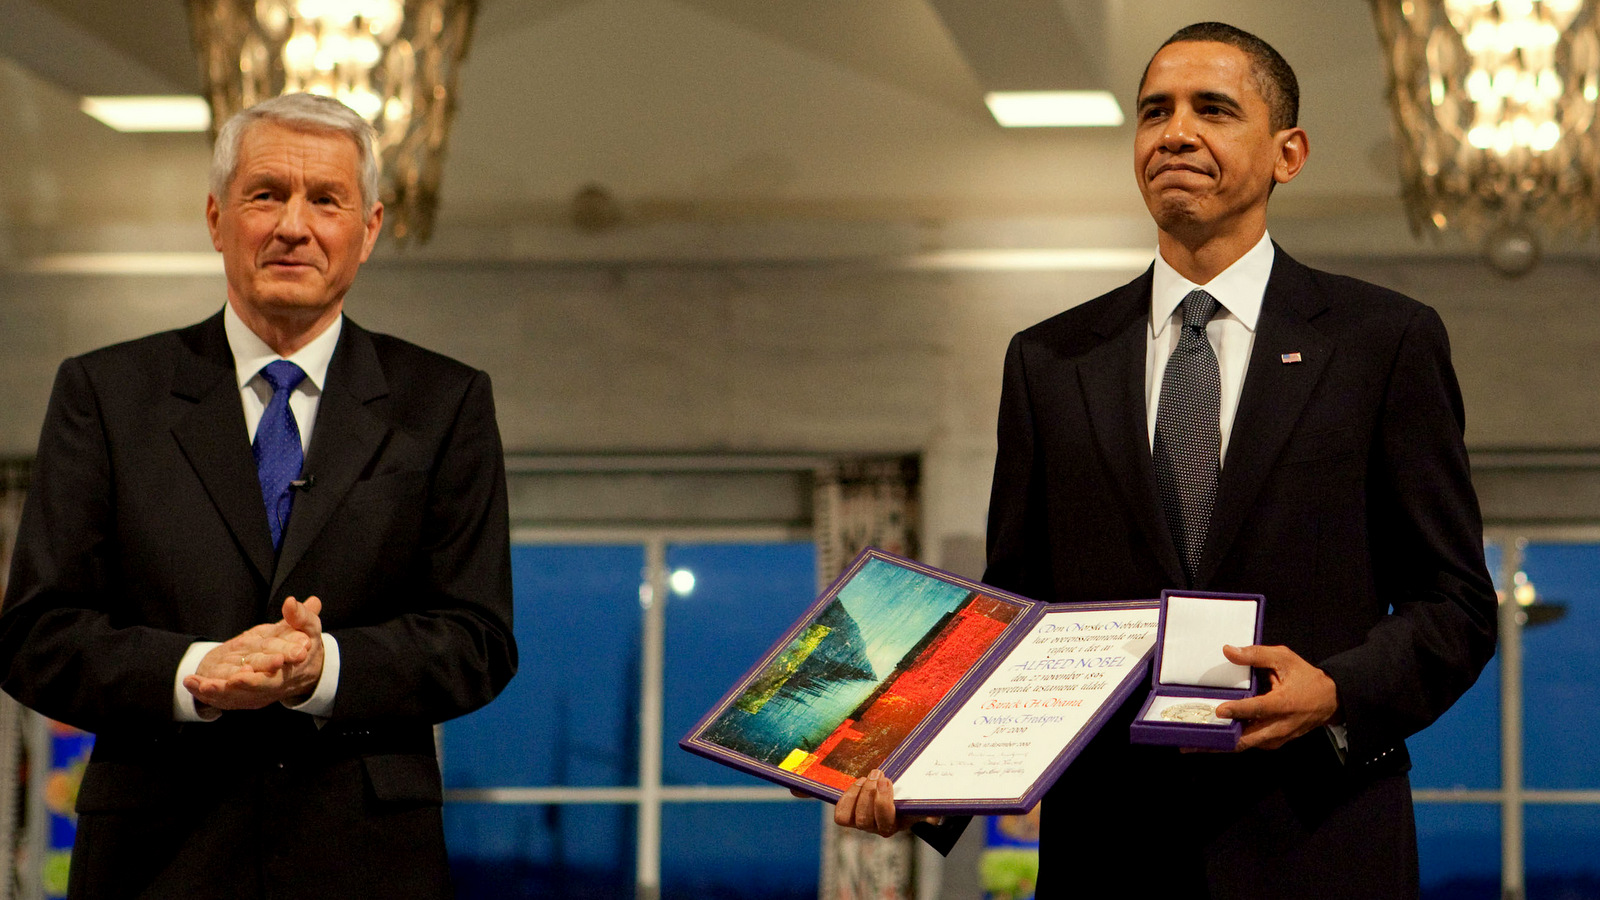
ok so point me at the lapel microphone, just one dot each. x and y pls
(304, 485)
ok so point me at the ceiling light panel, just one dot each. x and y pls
(150, 113)
(1054, 109)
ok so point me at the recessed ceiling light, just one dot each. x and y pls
(1054, 109)
(137, 263)
(1101, 259)
(150, 113)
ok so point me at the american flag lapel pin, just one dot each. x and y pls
(1289, 358)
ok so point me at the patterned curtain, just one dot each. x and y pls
(13, 487)
(865, 503)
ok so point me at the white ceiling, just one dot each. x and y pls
(721, 127)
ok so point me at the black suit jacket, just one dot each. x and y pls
(144, 530)
(1345, 499)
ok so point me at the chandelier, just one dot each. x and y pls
(1494, 105)
(394, 62)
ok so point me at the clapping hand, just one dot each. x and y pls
(267, 664)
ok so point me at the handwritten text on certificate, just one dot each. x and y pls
(1036, 702)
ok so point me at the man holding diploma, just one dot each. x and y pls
(1232, 420)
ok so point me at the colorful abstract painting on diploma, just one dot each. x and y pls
(860, 677)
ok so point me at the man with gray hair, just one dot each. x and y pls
(263, 555)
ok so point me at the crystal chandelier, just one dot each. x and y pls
(1494, 104)
(393, 61)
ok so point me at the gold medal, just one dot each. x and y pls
(1194, 712)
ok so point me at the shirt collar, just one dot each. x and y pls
(251, 353)
(1238, 288)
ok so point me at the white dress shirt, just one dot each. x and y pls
(250, 355)
(1232, 332)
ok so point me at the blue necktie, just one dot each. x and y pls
(277, 449)
(1188, 433)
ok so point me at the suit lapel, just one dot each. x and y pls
(345, 437)
(1275, 393)
(1113, 385)
(213, 437)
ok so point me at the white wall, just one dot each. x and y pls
(826, 358)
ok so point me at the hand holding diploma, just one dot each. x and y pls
(975, 710)
(868, 805)
(1302, 698)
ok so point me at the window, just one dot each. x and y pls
(1507, 783)
(571, 784)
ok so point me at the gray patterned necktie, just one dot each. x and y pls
(1187, 448)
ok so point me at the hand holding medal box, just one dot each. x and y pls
(1191, 676)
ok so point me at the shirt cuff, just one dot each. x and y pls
(183, 705)
(320, 703)
(1340, 735)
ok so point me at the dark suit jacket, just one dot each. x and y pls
(144, 530)
(1345, 499)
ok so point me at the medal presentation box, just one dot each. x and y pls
(1191, 676)
(971, 699)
